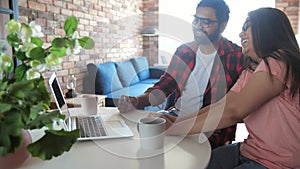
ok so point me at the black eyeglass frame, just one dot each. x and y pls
(204, 22)
(246, 25)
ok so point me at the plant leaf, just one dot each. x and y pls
(4, 107)
(43, 119)
(20, 72)
(59, 42)
(22, 86)
(39, 94)
(10, 133)
(3, 85)
(36, 109)
(37, 53)
(86, 42)
(59, 51)
(70, 25)
(37, 41)
(72, 43)
(53, 143)
(13, 39)
(21, 55)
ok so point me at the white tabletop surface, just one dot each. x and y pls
(178, 152)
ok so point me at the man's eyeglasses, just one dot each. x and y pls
(204, 22)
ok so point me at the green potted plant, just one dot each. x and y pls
(24, 96)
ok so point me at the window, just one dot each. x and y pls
(175, 22)
(8, 10)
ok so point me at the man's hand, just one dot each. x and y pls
(127, 103)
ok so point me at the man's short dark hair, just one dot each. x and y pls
(221, 8)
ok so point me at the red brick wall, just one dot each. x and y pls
(114, 25)
(150, 20)
(291, 8)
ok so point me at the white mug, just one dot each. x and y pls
(151, 131)
(89, 104)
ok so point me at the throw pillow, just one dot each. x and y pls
(141, 67)
(127, 73)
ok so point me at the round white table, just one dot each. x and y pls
(178, 152)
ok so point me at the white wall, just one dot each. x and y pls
(238, 13)
(298, 35)
(175, 25)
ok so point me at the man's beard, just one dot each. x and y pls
(206, 39)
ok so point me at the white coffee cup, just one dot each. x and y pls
(89, 104)
(151, 131)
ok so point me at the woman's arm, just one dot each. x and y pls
(232, 108)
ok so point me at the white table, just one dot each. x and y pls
(76, 102)
(178, 153)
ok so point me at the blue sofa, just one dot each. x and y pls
(131, 77)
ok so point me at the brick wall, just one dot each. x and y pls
(291, 8)
(150, 20)
(115, 26)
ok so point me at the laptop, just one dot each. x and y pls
(91, 126)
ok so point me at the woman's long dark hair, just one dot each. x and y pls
(273, 36)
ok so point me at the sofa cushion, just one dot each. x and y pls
(134, 90)
(107, 79)
(150, 81)
(141, 67)
(127, 73)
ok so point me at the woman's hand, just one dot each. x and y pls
(169, 118)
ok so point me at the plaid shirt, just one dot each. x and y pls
(222, 78)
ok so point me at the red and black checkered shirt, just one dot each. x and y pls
(226, 70)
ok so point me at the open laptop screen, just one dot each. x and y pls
(59, 99)
(57, 93)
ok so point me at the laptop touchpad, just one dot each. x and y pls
(115, 124)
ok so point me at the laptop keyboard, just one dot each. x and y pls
(91, 126)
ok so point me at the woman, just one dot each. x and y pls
(266, 98)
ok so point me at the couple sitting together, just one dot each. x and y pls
(218, 84)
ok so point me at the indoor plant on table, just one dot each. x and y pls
(24, 97)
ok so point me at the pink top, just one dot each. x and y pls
(274, 128)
